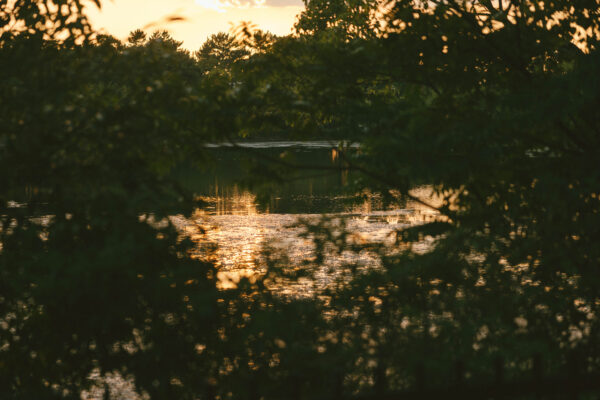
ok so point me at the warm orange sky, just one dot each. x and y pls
(203, 17)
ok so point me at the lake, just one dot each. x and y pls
(241, 213)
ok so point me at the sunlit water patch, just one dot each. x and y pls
(235, 237)
(236, 223)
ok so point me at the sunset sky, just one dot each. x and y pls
(203, 17)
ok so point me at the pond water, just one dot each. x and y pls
(242, 213)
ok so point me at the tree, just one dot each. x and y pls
(137, 37)
(349, 19)
(163, 39)
(219, 52)
(95, 278)
(92, 274)
(491, 105)
(39, 19)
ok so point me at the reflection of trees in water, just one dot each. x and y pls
(229, 200)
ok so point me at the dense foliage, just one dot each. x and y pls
(86, 281)
(491, 103)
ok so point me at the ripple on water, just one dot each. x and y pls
(236, 242)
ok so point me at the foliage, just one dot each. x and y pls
(55, 20)
(492, 104)
(219, 52)
(95, 276)
(348, 19)
(92, 274)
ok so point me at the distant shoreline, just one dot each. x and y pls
(264, 144)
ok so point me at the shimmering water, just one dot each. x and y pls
(241, 216)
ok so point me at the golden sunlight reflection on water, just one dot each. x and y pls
(233, 234)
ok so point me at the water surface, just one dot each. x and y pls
(242, 213)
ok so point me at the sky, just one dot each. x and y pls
(202, 17)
